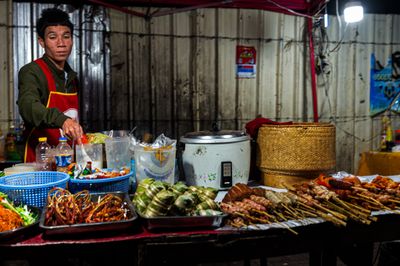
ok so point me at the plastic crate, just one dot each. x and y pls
(112, 184)
(31, 188)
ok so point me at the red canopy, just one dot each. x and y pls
(308, 7)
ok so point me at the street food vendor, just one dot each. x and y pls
(48, 87)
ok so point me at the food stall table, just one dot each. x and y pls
(171, 248)
(322, 241)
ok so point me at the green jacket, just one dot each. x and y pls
(33, 94)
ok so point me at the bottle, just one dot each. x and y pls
(64, 154)
(11, 147)
(88, 169)
(42, 153)
(389, 135)
(387, 142)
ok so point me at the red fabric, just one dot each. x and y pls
(143, 233)
(301, 6)
(305, 7)
(65, 102)
(253, 126)
(51, 84)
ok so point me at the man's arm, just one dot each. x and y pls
(30, 97)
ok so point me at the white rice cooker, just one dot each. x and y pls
(217, 159)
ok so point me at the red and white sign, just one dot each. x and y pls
(245, 62)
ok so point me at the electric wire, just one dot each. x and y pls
(316, 14)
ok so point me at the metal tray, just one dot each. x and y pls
(181, 222)
(21, 232)
(76, 229)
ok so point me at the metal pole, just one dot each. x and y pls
(313, 74)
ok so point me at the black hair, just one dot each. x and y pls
(52, 17)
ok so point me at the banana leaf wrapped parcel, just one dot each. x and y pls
(156, 198)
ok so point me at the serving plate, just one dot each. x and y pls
(23, 232)
(77, 229)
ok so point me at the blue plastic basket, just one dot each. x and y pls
(31, 188)
(112, 184)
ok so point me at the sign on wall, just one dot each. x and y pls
(245, 62)
(384, 83)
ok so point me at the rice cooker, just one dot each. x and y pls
(217, 159)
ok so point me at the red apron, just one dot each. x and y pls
(64, 102)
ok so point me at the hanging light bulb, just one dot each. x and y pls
(353, 11)
(326, 17)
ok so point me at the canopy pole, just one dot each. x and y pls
(313, 73)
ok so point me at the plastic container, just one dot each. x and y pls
(64, 155)
(32, 188)
(20, 168)
(158, 164)
(117, 133)
(113, 184)
(118, 153)
(90, 152)
(41, 150)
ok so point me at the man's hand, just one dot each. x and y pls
(73, 129)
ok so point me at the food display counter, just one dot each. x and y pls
(328, 217)
(324, 242)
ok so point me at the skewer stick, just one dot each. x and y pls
(353, 211)
(299, 214)
(306, 206)
(352, 206)
(332, 219)
(353, 216)
(334, 213)
(263, 213)
(280, 215)
(373, 205)
(372, 199)
(290, 211)
(310, 214)
(364, 211)
(284, 225)
(394, 201)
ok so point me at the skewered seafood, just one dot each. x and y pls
(237, 192)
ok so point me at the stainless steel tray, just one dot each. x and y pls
(180, 222)
(21, 232)
(76, 229)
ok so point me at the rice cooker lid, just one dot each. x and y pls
(221, 136)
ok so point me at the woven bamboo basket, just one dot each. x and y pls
(295, 152)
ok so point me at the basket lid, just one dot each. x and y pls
(220, 136)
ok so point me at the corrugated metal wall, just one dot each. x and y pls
(180, 75)
(6, 91)
(176, 73)
(90, 56)
(181, 72)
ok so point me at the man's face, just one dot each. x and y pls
(57, 43)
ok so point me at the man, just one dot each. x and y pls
(48, 99)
